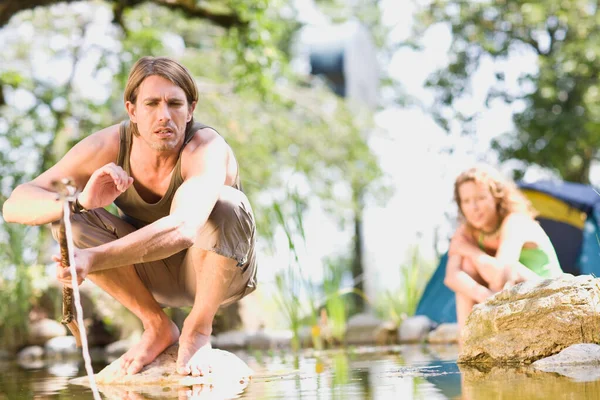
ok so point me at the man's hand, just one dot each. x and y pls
(83, 265)
(104, 186)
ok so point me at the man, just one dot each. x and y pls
(186, 232)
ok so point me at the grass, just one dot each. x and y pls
(397, 305)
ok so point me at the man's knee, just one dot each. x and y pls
(86, 230)
(78, 227)
(231, 229)
(232, 213)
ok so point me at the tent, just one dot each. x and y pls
(570, 215)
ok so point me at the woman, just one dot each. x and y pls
(498, 244)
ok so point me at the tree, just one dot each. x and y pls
(557, 122)
(276, 131)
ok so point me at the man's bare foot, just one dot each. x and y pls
(155, 339)
(194, 353)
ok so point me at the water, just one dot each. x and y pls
(402, 372)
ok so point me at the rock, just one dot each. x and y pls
(43, 330)
(31, 353)
(444, 351)
(63, 369)
(231, 340)
(533, 320)
(444, 333)
(265, 340)
(577, 354)
(386, 334)
(415, 329)
(362, 329)
(61, 346)
(31, 357)
(230, 375)
(579, 362)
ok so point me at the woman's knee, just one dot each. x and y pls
(468, 267)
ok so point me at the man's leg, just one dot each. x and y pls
(124, 284)
(214, 276)
(220, 268)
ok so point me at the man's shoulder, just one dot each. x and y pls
(104, 141)
(204, 136)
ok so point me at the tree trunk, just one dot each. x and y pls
(357, 254)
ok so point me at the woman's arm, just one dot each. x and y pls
(460, 282)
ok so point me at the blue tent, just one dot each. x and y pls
(569, 213)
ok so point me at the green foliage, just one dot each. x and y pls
(292, 285)
(15, 291)
(277, 132)
(335, 304)
(402, 303)
(557, 123)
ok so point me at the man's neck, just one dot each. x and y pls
(152, 160)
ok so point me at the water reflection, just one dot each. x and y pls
(524, 382)
(364, 373)
(407, 372)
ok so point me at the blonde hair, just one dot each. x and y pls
(509, 199)
(166, 68)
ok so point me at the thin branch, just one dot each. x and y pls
(8, 8)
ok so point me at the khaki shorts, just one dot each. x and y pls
(229, 232)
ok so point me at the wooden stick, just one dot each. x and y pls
(66, 190)
(68, 308)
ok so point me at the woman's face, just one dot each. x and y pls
(478, 205)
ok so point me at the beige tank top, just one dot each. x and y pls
(134, 209)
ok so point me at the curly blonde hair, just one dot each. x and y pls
(509, 199)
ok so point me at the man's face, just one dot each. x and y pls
(161, 112)
(477, 204)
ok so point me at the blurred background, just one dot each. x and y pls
(350, 120)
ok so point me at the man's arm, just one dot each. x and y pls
(35, 202)
(192, 205)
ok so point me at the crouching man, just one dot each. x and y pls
(185, 234)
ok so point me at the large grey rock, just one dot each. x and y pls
(267, 339)
(31, 353)
(577, 354)
(362, 329)
(231, 340)
(43, 330)
(533, 320)
(386, 334)
(444, 333)
(579, 362)
(230, 375)
(61, 346)
(415, 329)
